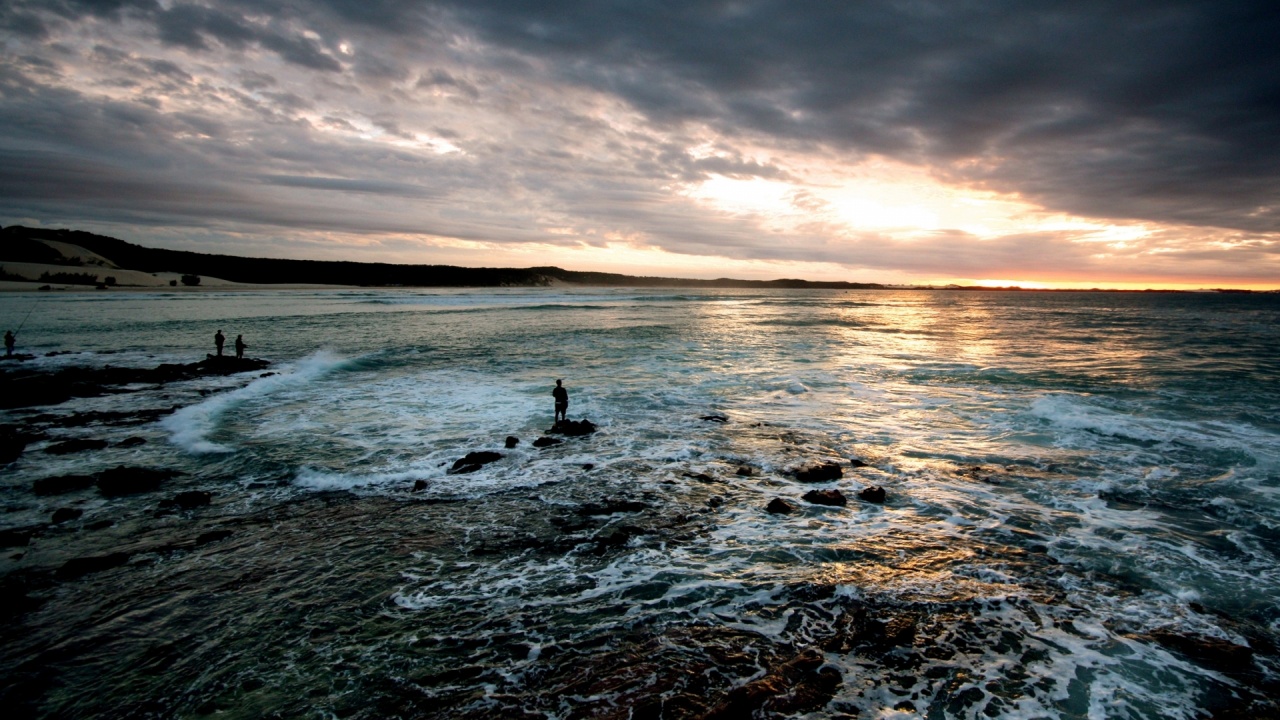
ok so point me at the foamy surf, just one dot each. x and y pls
(191, 426)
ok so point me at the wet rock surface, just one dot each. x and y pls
(124, 480)
(873, 494)
(780, 506)
(473, 461)
(833, 498)
(817, 471)
(573, 428)
(28, 387)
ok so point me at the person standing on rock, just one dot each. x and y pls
(9, 340)
(218, 339)
(562, 401)
(240, 346)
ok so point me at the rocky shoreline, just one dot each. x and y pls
(173, 596)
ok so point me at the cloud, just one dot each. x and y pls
(577, 123)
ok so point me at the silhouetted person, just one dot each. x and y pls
(9, 340)
(218, 339)
(562, 402)
(240, 346)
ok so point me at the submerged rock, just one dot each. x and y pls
(212, 536)
(62, 484)
(62, 515)
(123, 480)
(716, 418)
(188, 500)
(419, 485)
(545, 441)
(780, 506)
(134, 441)
(1211, 652)
(819, 471)
(474, 461)
(13, 440)
(609, 507)
(28, 387)
(573, 428)
(873, 494)
(834, 498)
(856, 463)
(79, 567)
(74, 446)
(801, 684)
(700, 477)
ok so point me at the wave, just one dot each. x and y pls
(190, 426)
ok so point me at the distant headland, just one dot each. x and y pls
(67, 258)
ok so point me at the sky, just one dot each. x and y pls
(1046, 144)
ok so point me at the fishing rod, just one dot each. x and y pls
(24, 320)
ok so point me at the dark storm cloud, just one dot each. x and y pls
(584, 115)
(1154, 110)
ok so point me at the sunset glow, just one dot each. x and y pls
(476, 133)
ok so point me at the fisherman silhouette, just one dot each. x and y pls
(240, 346)
(218, 339)
(562, 402)
(9, 340)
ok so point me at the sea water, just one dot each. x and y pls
(1068, 475)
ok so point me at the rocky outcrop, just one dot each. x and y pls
(474, 461)
(545, 441)
(873, 494)
(780, 507)
(62, 484)
(27, 387)
(817, 471)
(188, 500)
(573, 428)
(74, 446)
(123, 480)
(834, 498)
(512, 441)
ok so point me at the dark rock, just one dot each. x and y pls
(123, 480)
(134, 441)
(212, 536)
(474, 461)
(573, 428)
(873, 494)
(609, 507)
(512, 441)
(13, 440)
(188, 500)
(73, 446)
(545, 441)
(588, 466)
(856, 463)
(745, 471)
(715, 501)
(18, 537)
(62, 515)
(700, 477)
(620, 536)
(834, 498)
(62, 484)
(716, 418)
(27, 387)
(780, 506)
(99, 524)
(79, 567)
(860, 630)
(419, 485)
(1211, 652)
(799, 685)
(820, 471)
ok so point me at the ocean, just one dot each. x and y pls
(1081, 513)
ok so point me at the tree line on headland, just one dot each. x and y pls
(20, 244)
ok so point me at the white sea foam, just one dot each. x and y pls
(191, 426)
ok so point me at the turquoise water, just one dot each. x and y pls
(1078, 471)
